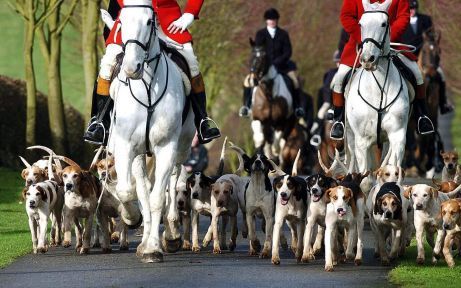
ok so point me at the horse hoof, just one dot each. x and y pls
(174, 245)
(135, 226)
(140, 251)
(155, 257)
(358, 262)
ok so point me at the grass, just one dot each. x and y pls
(14, 229)
(456, 125)
(71, 63)
(409, 274)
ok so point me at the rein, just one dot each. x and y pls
(148, 85)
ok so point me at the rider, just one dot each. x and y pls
(420, 23)
(399, 17)
(277, 43)
(173, 27)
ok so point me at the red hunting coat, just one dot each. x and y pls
(167, 11)
(351, 12)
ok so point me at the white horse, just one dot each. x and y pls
(378, 100)
(148, 78)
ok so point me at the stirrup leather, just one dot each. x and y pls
(200, 128)
(337, 123)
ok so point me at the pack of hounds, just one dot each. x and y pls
(325, 212)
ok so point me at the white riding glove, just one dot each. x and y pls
(181, 24)
(107, 19)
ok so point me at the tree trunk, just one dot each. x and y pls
(90, 25)
(29, 26)
(55, 99)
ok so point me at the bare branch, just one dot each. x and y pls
(67, 17)
(47, 12)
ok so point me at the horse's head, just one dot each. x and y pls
(375, 30)
(429, 58)
(138, 29)
(259, 62)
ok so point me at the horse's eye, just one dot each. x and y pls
(383, 25)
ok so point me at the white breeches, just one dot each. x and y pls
(344, 69)
(186, 50)
(108, 61)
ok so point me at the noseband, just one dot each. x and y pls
(381, 44)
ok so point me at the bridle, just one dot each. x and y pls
(381, 44)
(258, 64)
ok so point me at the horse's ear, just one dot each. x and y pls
(252, 42)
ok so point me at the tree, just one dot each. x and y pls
(50, 36)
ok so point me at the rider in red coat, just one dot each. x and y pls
(399, 17)
(173, 28)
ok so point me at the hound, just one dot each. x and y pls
(82, 190)
(426, 203)
(451, 169)
(345, 210)
(388, 210)
(446, 186)
(291, 205)
(317, 185)
(451, 222)
(34, 173)
(44, 199)
(259, 200)
(183, 198)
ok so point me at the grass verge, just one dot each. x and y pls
(14, 229)
(409, 274)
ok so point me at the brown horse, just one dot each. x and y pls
(429, 60)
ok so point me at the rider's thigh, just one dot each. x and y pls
(109, 60)
(338, 79)
(294, 78)
(191, 58)
(413, 66)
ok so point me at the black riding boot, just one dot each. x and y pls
(245, 109)
(443, 102)
(337, 130)
(98, 128)
(425, 125)
(298, 102)
(205, 131)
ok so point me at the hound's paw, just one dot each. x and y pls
(385, 262)
(217, 250)
(451, 264)
(275, 260)
(35, 250)
(329, 268)
(232, 245)
(106, 250)
(358, 262)
(293, 249)
(252, 252)
(84, 251)
(264, 254)
(140, 251)
(66, 244)
(420, 261)
(186, 246)
(96, 245)
(114, 238)
(256, 245)
(124, 247)
(195, 249)
(205, 242)
(53, 243)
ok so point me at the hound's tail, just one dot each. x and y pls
(221, 158)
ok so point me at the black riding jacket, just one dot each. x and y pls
(278, 49)
(411, 37)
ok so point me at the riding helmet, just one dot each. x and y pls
(271, 14)
(414, 4)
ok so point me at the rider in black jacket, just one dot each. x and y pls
(278, 49)
(420, 23)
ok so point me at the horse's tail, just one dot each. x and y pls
(221, 158)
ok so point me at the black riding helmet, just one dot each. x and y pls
(414, 4)
(271, 14)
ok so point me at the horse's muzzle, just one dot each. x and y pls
(134, 73)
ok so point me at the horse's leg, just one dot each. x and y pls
(172, 236)
(258, 134)
(164, 157)
(142, 189)
(397, 141)
(125, 188)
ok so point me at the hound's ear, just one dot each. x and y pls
(231, 189)
(246, 162)
(23, 173)
(403, 172)
(327, 196)
(379, 172)
(276, 181)
(24, 191)
(252, 42)
(332, 182)
(42, 193)
(441, 153)
(208, 181)
(434, 193)
(378, 206)
(407, 192)
(340, 178)
(46, 173)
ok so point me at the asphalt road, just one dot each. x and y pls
(63, 267)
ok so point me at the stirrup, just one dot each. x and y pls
(335, 138)
(316, 140)
(432, 125)
(200, 129)
(96, 123)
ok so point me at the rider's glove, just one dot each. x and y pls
(181, 24)
(107, 19)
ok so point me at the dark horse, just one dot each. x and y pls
(276, 130)
(424, 150)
